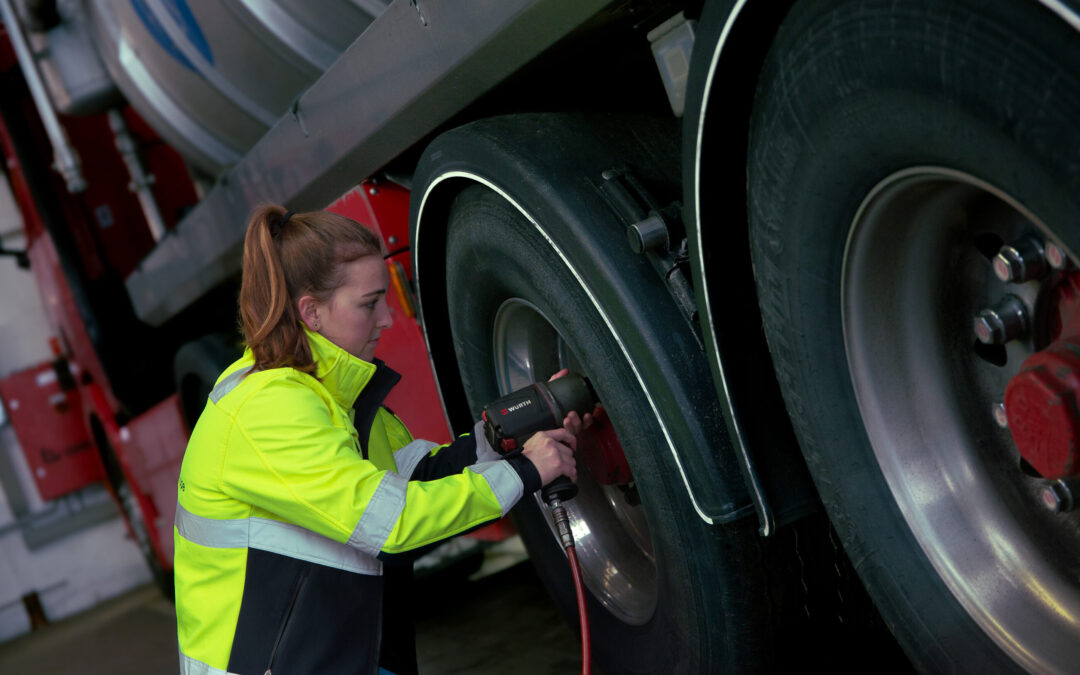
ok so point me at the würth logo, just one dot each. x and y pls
(519, 406)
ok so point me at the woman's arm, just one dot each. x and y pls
(287, 458)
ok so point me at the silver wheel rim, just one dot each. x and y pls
(611, 535)
(913, 279)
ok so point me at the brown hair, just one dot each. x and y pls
(284, 260)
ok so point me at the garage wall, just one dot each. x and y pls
(72, 552)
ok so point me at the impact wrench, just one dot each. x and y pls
(512, 420)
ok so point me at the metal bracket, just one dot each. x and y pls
(672, 44)
(652, 231)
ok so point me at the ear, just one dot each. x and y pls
(309, 307)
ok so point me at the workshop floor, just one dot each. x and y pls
(474, 627)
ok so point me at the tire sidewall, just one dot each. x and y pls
(894, 110)
(520, 263)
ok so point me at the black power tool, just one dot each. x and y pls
(512, 419)
(509, 422)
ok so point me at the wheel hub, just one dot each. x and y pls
(919, 264)
(1041, 400)
(607, 517)
(600, 450)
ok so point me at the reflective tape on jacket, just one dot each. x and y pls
(190, 666)
(408, 457)
(381, 514)
(276, 537)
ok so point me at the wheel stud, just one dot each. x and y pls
(1008, 320)
(1020, 261)
(1057, 496)
(1055, 255)
(1000, 416)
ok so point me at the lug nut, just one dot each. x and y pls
(1008, 320)
(1020, 261)
(1057, 496)
(1000, 417)
(1055, 255)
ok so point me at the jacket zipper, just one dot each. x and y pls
(285, 622)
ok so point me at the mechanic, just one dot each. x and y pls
(297, 485)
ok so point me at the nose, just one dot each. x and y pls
(385, 318)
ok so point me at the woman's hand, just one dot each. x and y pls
(552, 453)
(573, 422)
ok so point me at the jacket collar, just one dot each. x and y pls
(343, 374)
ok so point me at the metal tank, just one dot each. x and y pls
(212, 76)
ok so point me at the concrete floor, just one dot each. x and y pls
(467, 626)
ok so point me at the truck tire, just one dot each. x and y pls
(196, 367)
(894, 148)
(517, 315)
(131, 509)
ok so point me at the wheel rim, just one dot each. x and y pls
(611, 533)
(916, 270)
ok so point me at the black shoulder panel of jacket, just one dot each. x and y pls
(370, 400)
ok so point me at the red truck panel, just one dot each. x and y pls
(153, 445)
(49, 425)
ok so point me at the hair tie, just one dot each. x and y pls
(276, 228)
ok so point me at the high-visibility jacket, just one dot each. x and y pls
(285, 517)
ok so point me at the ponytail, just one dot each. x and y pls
(286, 256)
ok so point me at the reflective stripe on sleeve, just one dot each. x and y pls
(380, 515)
(407, 457)
(274, 536)
(504, 482)
(228, 384)
(190, 666)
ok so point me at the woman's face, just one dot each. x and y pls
(357, 313)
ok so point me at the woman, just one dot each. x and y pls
(297, 485)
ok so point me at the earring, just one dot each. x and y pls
(316, 327)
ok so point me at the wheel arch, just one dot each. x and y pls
(721, 497)
(729, 50)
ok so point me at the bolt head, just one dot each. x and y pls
(1055, 255)
(1057, 497)
(1051, 499)
(986, 329)
(1003, 322)
(1000, 415)
(1003, 268)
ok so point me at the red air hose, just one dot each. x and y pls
(583, 612)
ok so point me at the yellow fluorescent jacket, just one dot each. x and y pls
(282, 524)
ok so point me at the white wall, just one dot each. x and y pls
(80, 570)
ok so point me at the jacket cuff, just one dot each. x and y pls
(526, 471)
(484, 451)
